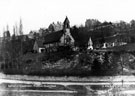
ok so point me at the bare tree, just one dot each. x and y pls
(21, 28)
(16, 30)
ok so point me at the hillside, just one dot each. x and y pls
(69, 63)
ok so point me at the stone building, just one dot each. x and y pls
(59, 38)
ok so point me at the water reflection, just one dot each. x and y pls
(70, 90)
(34, 94)
(58, 94)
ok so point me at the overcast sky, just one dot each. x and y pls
(40, 13)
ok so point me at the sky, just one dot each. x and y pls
(37, 14)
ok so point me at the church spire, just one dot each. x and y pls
(90, 44)
(66, 23)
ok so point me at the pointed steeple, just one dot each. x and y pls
(66, 23)
(90, 43)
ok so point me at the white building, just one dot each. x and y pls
(90, 44)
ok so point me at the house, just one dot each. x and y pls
(117, 40)
(59, 38)
(33, 35)
(55, 27)
(38, 46)
(6, 35)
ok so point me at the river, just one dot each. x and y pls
(119, 86)
(73, 89)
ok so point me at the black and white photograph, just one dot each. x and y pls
(67, 47)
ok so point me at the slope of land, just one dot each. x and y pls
(70, 63)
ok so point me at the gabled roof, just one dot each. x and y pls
(53, 37)
(39, 43)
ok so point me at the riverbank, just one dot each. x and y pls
(128, 78)
(81, 85)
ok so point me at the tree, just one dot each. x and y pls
(132, 23)
(96, 68)
(13, 36)
(16, 30)
(92, 23)
(21, 28)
